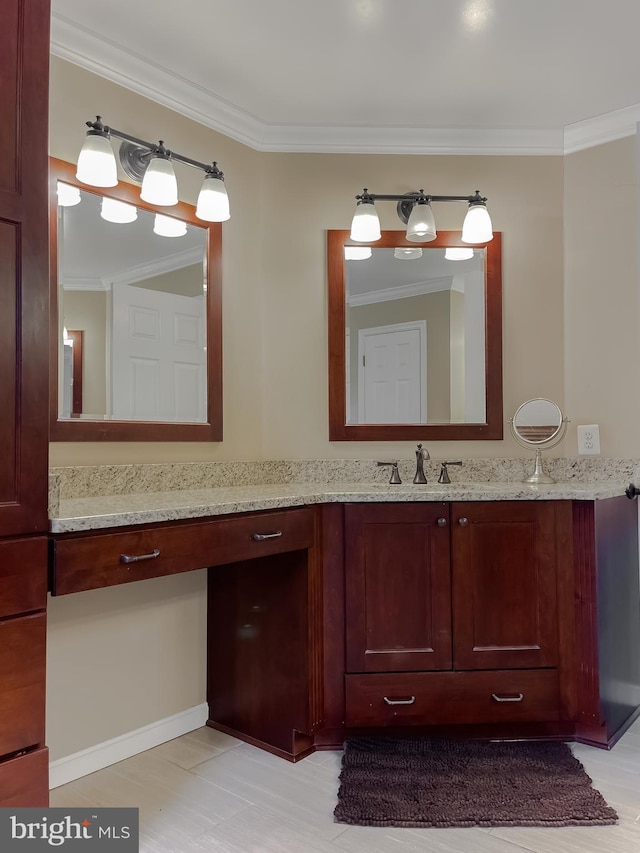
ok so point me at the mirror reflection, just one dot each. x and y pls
(415, 338)
(415, 335)
(136, 316)
(137, 295)
(537, 421)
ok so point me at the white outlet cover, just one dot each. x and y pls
(588, 439)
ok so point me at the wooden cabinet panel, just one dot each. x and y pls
(22, 682)
(24, 284)
(96, 560)
(398, 589)
(504, 584)
(442, 698)
(23, 575)
(24, 780)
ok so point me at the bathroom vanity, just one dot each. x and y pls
(495, 610)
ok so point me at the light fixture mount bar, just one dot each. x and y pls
(476, 198)
(152, 147)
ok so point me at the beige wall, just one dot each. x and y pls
(108, 649)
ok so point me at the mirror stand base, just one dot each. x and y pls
(539, 475)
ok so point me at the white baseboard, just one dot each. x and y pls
(103, 754)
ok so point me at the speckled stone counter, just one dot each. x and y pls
(118, 510)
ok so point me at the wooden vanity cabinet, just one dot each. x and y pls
(24, 295)
(452, 614)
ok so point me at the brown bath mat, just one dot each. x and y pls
(438, 783)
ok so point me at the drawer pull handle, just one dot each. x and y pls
(126, 558)
(409, 701)
(260, 537)
(517, 698)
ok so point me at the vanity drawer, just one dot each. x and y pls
(22, 682)
(23, 575)
(438, 698)
(94, 561)
(24, 780)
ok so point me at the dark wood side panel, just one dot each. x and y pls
(24, 780)
(258, 650)
(22, 683)
(23, 575)
(398, 588)
(504, 585)
(332, 522)
(24, 92)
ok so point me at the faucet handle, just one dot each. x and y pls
(444, 473)
(395, 474)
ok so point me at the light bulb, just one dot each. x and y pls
(421, 226)
(97, 163)
(458, 253)
(213, 201)
(365, 226)
(476, 227)
(407, 254)
(68, 195)
(159, 185)
(167, 226)
(357, 253)
(117, 211)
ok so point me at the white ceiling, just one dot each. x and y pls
(406, 76)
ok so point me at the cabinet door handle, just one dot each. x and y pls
(463, 521)
(126, 558)
(442, 522)
(517, 698)
(409, 701)
(260, 537)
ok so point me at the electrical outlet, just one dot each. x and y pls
(589, 440)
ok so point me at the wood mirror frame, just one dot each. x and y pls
(339, 429)
(86, 429)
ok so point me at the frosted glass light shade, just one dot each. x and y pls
(404, 253)
(421, 226)
(458, 253)
(167, 226)
(476, 227)
(365, 225)
(357, 253)
(96, 162)
(159, 185)
(213, 201)
(114, 210)
(68, 196)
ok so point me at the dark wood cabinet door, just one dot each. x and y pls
(504, 584)
(398, 588)
(24, 286)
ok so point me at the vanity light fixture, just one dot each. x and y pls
(167, 226)
(68, 195)
(151, 164)
(414, 209)
(357, 253)
(405, 253)
(458, 253)
(117, 211)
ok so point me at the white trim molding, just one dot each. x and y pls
(151, 79)
(117, 749)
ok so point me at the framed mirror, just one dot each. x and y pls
(415, 339)
(136, 317)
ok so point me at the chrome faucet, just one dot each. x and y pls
(395, 474)
(421, 454)
(444, 473)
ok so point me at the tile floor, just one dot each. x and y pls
(207, 791)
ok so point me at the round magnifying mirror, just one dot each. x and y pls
(538, 423)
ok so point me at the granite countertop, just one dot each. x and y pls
(95, 513)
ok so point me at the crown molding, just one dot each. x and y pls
(85, 48)
(400, 291)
